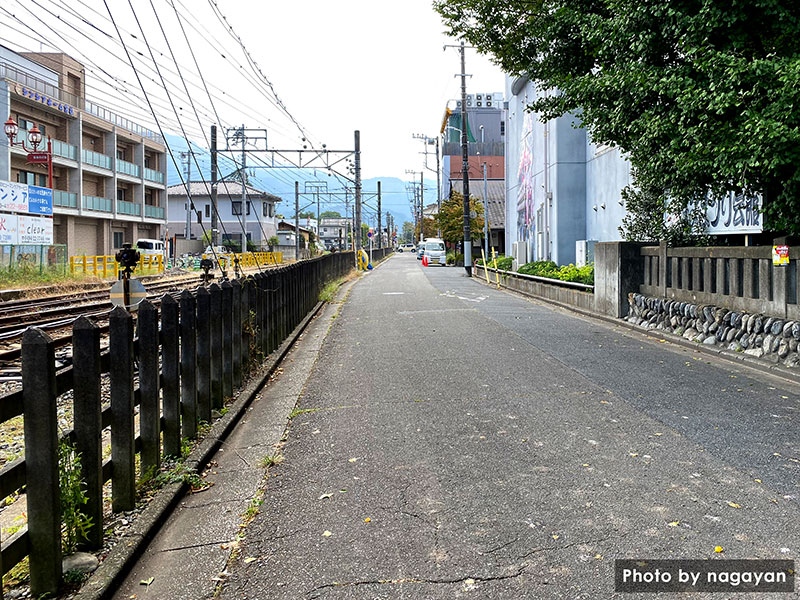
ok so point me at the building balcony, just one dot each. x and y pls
(65, 150)
(96, 159)
(153, 175)
(128, 208)
(127, 168)
(154, 212)
(65, 199)
(98, 204)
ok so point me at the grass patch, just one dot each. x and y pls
(301, 411)
(271, 460)
(328, 293)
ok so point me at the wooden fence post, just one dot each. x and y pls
(236, 291)
(216, 345)
(263, 283)
(188, 366)
(41, 460)
(170, 368)
(203, 354)
(123, 455)
(227, 339)
(149, 386)
(86, 402)
(246, 325)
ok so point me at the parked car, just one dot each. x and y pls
(147, 247)
(420, 249)
(435, 251)
(406, 248)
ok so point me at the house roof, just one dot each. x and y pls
(496, 192)
(232, 188)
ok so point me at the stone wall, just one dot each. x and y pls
(758, 335)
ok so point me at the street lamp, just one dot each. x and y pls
(35, 156)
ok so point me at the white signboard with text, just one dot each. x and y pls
(34, 230)
(13, 196)
(734, 214)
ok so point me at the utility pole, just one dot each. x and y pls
(357, 208)
(428, 141)
(214, 216)
(465, 166)
(187, 232)
(244, 192)
(297, 220)
(421, 206)
(380, 231)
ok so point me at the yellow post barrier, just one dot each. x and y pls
(496, 271)
(485, 267)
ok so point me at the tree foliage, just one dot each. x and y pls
(407, 236)
(701, 96)
(451, 218)
(329, 214)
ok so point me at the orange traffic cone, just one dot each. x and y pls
(424, 261)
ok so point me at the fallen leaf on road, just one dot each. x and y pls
(326, 533)
(352, 459)
(147, 581)
(634, 454)
(673, 524)
(325, 496)
(555, 537)
(367, 520)
(604, 402)
(598, 556)
(734, 505)
(249, 559)
(657, 434)
(342, 491)
(757, 480)
(718, 549)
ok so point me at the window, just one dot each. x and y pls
(200, 215)
(236, 207)
(208, 211)
(121, 194)
(119, 238)
(502, 127)
(120, 153)
(265, 209)
(32, 178)
(148, 162)
(248, 207)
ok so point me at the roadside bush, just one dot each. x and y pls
(503, 262)
(547, 268)
(450, 258)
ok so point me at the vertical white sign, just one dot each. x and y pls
(34, 230)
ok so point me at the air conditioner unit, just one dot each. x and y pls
(479, 97)
(479, 103)
(469, 102)
(488, 103)
(519, 252)
(458, 103)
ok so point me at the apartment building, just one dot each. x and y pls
(109, 174)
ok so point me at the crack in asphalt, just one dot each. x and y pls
(328, 586)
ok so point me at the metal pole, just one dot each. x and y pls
(357, 209)
(297, 220)
(187, 232)
(438, 188)
(214, 223)
(465, 166)
(380, 231)
(485, 215)
(244, 194)
(421, 205)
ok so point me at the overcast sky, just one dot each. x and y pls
(376, 66)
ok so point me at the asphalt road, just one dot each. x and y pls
(463, 442)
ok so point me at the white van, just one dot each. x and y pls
(148, 247)
(435, 251)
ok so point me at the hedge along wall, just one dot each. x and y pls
(755, 334)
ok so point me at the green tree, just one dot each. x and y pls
(329, 214)
(701, 96)
(407, 237)
(451, 218)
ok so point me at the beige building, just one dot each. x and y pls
(109, 174)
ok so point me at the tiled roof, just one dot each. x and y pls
(234, 188)
(496, 190)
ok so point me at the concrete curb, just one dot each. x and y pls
(117, 564)
(733, 357)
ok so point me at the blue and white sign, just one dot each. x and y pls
(40, 200)
(13, 196)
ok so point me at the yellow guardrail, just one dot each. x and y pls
(107, 266)
(248, 259)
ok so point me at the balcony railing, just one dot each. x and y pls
(95, 203)
(96, 159)
(65, 150)
(65, 199)
(127, 168)
(112, 117)
(153, 212)
(128, 208)
(153, 175)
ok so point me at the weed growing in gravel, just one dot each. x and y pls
(301, 411)
(270, 460)
(328, 292)
(74, 524)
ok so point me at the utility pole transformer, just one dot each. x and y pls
(465, 166)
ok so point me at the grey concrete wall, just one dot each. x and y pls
(606, 174)
(618, 270)
(538, 289)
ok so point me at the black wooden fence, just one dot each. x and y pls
(191, 355)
